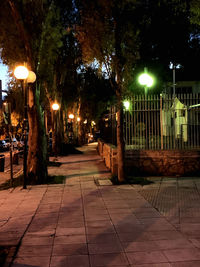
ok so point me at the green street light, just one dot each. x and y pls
(146, 80)
(126, 104)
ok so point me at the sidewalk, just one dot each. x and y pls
(87, 222)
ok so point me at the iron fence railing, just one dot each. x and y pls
(160, 122)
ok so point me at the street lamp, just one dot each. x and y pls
(23, 74)
(126, 104)
(174, 66)
(146, 80)
(71, 116)
(55, 106)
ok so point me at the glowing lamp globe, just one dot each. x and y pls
(31, 77)
(126, 104)
(145, 79)
(71, 116)
(55, 106)
(21, 72)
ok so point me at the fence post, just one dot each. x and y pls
(161, 122)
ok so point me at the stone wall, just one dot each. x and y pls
(153, 162)
(109, 154)
(163, 162)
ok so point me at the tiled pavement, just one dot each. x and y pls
(83, 224)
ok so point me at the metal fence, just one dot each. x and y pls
(160, 122)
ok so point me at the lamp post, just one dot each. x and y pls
(146, 80)
(55, 107)
(7, 120)
(71, 128)
(24, 75)
(174, 66)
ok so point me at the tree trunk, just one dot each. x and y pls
(37, 141)
(57, 131)
(120, 140)
(119, 91)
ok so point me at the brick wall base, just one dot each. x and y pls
(153, 162)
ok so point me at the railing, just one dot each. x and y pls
(161, 122)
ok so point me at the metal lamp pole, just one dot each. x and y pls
(25, 133)
(25, 76)
(21, 73)
(55, 108)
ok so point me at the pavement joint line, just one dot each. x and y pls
(63, 189)
(87, 243)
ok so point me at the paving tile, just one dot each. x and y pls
(48, 232)
(160, 227)
(134, 236)
(34, 250)
(190, 254)
(161, 235)
(102, 238)
(70, 261)
(124, 217)
(89, 211)
(92, 230)
(70, 239)
(31, 261)
(104, 182)
(140, 246)
(129, 228)
(101, 223)
(69, 249)
(96, 217)
(110, 259)
(146, 257)
(190, 219)
(103, 248)
(146, 214)
(126, 211)
(70, 231)
(70, 224)
(172, 244)
(49, 208)
(186, 264)
(37, 240)
(187, 227)
(192, 233)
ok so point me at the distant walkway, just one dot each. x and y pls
(86, 165)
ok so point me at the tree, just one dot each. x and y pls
(35, 37)
(107, 33)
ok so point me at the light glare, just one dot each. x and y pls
(71, 116)
(55, 106)
(21, 72)
(126, 104)
(145, 79)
